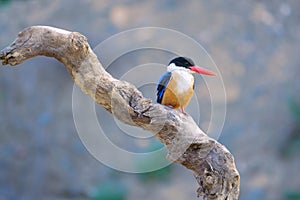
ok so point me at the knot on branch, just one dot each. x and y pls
(210, 184)
(78, 44)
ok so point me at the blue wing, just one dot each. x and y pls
(161, 86)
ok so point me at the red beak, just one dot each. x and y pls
(201, 70)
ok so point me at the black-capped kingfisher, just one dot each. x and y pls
(176, 87)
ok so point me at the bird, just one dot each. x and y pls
(175, 87)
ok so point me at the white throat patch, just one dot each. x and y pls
(172, 67)
(184, 78)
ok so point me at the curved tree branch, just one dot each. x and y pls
(187, 144)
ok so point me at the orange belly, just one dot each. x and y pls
(175, 97)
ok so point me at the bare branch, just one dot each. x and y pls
(210, 161)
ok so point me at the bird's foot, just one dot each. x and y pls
(182, 110)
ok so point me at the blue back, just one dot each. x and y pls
(161, 86)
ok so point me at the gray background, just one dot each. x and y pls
(256, 47)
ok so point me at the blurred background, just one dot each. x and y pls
(256, 47)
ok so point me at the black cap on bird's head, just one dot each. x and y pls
(182, 62)
(189, 64)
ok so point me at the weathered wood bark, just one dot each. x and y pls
(211, 162)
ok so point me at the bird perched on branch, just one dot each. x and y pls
(176, 87)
